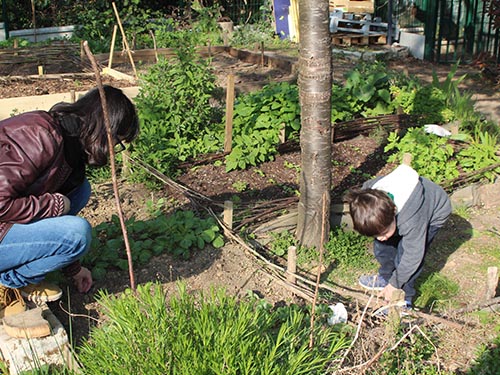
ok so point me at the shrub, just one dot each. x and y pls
(257, 121)
(174, 106)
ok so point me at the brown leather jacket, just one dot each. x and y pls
(32, 169)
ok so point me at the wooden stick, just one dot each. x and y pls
(33, 19)
(112, 48)
(112, 161)
(407, 159)
(125, 39)
(154, 44)
(291, 265)
(262, 54)
(282, 135)
(228, 140)
(228, 214)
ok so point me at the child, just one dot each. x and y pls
(403, 212)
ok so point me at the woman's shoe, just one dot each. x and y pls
(41, 293)
(11, 302)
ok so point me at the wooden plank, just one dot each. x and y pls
(354, 6)
(149, 55)
(342, 39)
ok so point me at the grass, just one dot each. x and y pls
(205, 334)
(463, 211)
(435, 290)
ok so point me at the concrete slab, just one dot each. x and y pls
(29, 354)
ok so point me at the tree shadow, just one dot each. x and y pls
(487, 362)
(449, 239)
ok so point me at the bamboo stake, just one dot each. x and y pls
(112, 161)
(228, 140)
(112, 48)
(124, 39)
(154, 44)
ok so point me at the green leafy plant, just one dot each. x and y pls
(240, 186)
(154, 208)
(280, 243)
(347, 248)
(430, 106)
(205, 334)
(97, 19)
(177, 120)
(179, 234)
(206, 23)
(258, 119)
(442, 102)
(403, 89)
(481, 153)
(9, 43)
(432, 155)
(344, 247)
(368, 91)
(170, 34)
(488, 359)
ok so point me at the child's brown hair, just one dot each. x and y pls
(372, 211)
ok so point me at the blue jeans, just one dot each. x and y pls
(388, 254)
(28, 252)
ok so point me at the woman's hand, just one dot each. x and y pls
(83, 280)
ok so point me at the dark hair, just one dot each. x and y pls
(88, 113)
(372, 211)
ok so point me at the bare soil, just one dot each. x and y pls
(235, 268)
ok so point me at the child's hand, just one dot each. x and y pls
(386, 293)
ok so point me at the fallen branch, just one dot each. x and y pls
(479, 305)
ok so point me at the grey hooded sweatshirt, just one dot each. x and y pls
(420, 203)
